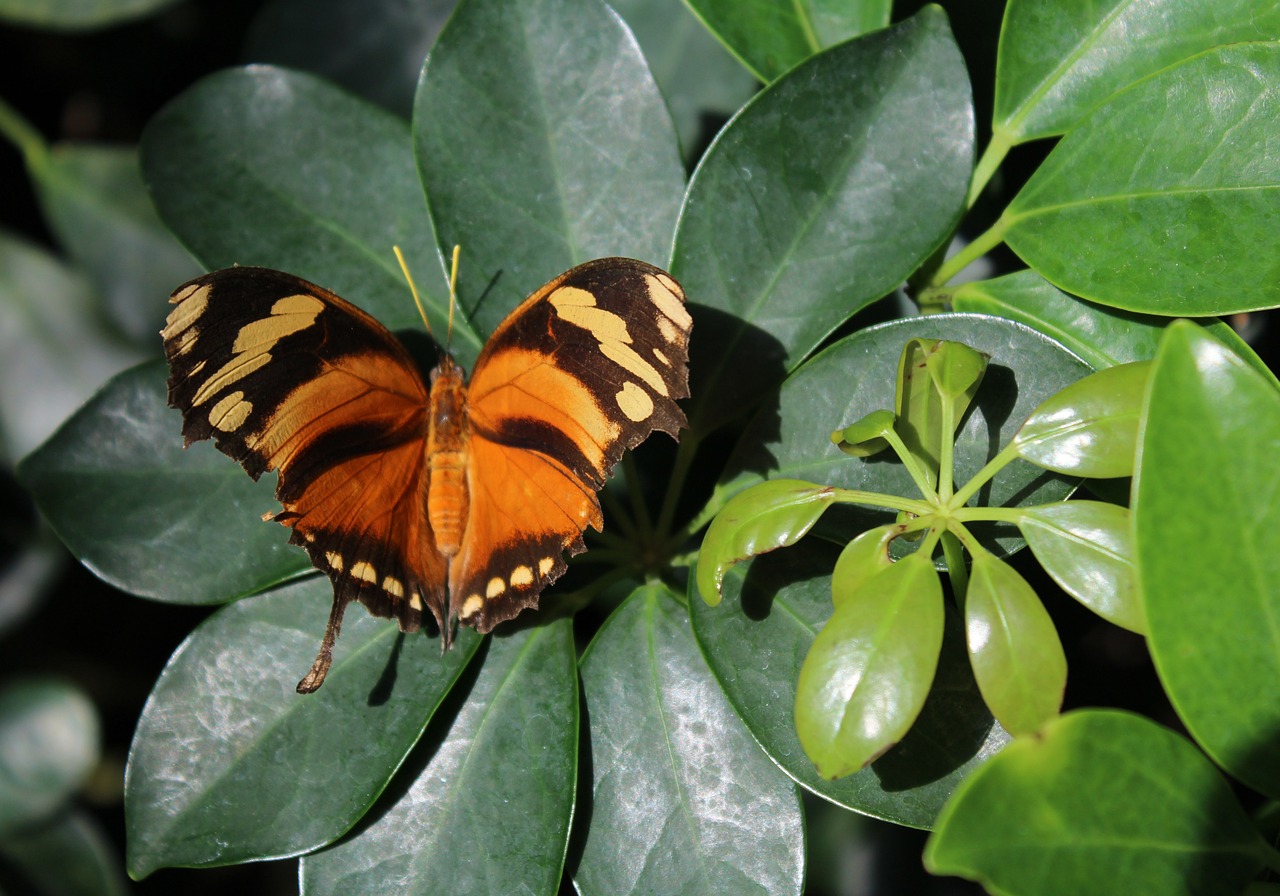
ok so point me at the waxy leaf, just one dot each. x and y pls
(461, 786)
(1087, 547)
(1046, 817)
(1090, 428)
(553, 152)
(768, 516)
(868, 672)
(866, 437)
(1016, 654)
(226, 747)
(1162, 199)
(863, 558)
(121, 492)
(676, 778)
(1207, 526)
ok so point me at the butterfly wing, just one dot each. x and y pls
(284, 375)
(585, 368)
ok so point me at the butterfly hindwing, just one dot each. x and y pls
(585, 368)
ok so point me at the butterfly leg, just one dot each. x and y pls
(324, 659)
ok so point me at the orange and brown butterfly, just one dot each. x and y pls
(436, 495)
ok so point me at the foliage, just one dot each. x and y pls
(667, 755)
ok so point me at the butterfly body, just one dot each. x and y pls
(453, 498)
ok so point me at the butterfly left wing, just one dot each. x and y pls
(585, 368)
(284, 375)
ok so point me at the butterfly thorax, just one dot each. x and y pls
(447, 437)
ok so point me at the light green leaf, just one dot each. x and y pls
(513, 743)
(1163, 199)
(1058, 60)
(864, 557)
(1207, 526)
(866, 677)
(1016, 654)
(866, 436)
(1046, 817)
(676, 779)
(226, 748)
(1087, 547)
(557, 150)
(74, 15)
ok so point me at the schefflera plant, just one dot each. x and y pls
(869, 671)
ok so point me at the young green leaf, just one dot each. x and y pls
(569, 169)
(1101, 802)
(676, 778)
(918, 406)
(1090, 428)
(1059, 60)
(956, 372)
(1207, 526)
(1087, 547)
(225, 747)
(864, 557)
(768, 516)
(1159, 200)
(522, 710)
(1016, 654)
(117, 486)
(866, 436)
(868, 672)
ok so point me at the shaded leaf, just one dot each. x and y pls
(557, 150)
(1045, 817)
(77, 14)
(225, 748)
(872, 137)
(68, 855)
(121, 492)
(677, 780)
(513, 743)
(1208, 543)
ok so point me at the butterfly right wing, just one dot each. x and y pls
(285, 375)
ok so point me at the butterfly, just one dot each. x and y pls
(430, 495)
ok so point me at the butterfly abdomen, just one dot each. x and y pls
(447, 436)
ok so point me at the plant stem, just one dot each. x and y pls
(956, 568)
(981, 245)
(639, 510)
(946, 460)
(918, 475)
(22, 135)
(679, 472)
(993, 466)
(992, 156)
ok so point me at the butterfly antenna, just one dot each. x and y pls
(453, 289)
(417, 300)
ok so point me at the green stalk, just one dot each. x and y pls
(22, 135)
(983, 244)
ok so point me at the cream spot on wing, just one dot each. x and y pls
(471, 606)
(230, 413)
(191, 303)
(233, 371)
(667, 295)
(670, 334)
(634, 402)
(626, 358)
(364, 571)
(393, 587)
(335, 560)
(415, 601)
(521, 577)
(545, 565)
(578, 307)
(495, 587)
(309, 536)
(288, 316)
(662, 359)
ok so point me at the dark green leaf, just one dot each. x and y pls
(856, 376)
(147, 516)
(66, 856)
(1207, 527)
(1102, 336)
(862, 558)
(48, 744)
(872, 138)
(260, 165)
(1162, 199)
(489, 804)
(677, 780)
(1058, 60)
(697, 76)
(1087, 547)
(554, 151)
(755, 642)
(770, 37)
(375, 48)
(1089, 428)
(229, 764)
(1047, 818)
(866, 677)
(76, 14)
(1016, 654)
(96, 204)
(766, 517)
(55, 350)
